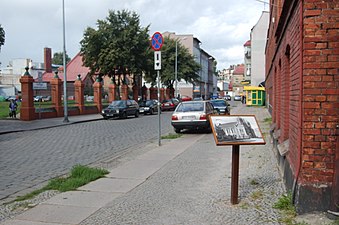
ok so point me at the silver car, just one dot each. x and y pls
(193, 115)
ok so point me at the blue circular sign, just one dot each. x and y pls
(157, 41)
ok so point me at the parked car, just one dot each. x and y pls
(169, 104)
(148, 106)
(237, 98)
(37, 98)
(221, 106)
(121, 109)
(228, 97)
(12, 97)
(185, 98)
(197, 99)
(46, 98)
(192, 115)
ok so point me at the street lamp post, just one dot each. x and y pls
(64, 64)
(176, 70)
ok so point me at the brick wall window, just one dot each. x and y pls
(286, 95)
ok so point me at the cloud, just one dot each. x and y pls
(223, 26)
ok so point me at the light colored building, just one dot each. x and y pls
(258, 44)
(205, 85)
(247, 61)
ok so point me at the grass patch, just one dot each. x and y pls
(257, 195)
(171, 136)
(79, 176)
(268, 120)
(254, 182)
(285, 205)
(4, 109)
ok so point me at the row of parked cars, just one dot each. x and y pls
(187, 114)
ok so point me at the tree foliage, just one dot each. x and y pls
(58, 58)
(187, 67)
(118, 45)
(2, 36)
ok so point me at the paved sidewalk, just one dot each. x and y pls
(17, 125)
(184, 181)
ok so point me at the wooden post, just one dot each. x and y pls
(235, 174)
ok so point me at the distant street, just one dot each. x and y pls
(30, 158)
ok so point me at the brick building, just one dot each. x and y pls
(302, 84)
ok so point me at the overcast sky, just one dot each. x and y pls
(223, 26)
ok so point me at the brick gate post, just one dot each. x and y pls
(135, 92)
(124, 92)
(27, 110)
(56, 92)
(144, 92)
(112, 94)
(97, 86)
(79, 94)
(162, 94)
(153, 93)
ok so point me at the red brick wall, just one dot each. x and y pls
(304, 94)
(321, 90)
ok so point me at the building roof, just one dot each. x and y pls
(248, 43)
(239, 70)
(74, 68)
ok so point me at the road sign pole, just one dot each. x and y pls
(159, 128)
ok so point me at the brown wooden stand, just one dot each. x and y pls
(235, 174)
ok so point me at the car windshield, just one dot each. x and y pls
(191, 107)
(146, 103)
(118, 104)
(218, 103)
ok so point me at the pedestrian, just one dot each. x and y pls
(12, 108)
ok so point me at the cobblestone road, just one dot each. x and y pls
(194, 188)
(28, 159)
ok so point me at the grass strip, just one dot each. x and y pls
(79, 176)
(171, 136)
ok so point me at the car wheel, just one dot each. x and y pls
(151, 112)
(177, 130)
(124, 115)
(105, 117)
(136, 114)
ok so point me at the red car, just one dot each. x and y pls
(169, 104)
(185, 98)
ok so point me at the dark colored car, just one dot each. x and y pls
(228, 97)
(169, 104)
(193, 115)
(221, 106)
(121, 109)
(148, 106)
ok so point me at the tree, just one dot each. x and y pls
(58, 58)
(2, 36)
(188, 68)
(118, 46)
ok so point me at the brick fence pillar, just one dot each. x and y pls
(56, 92)
(144, 92)
(162, 94)
(97, 88)
(153, 93)
(27, 110)
(124, 92)
(79, 94)
(135, 92)
(112, 94)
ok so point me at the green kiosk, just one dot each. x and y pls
(255, 95)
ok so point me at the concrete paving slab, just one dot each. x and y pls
(25, 222)
(157, 155)
(112, 185)
(57, 214)
(137, 169)
(83, 199)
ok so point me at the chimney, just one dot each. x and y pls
(48, 60)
